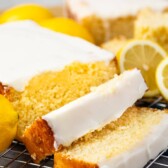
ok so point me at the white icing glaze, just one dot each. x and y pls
(112, 8)
(146, 150)
(104, 104)
(27, 49)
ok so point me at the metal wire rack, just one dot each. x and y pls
(17, 156)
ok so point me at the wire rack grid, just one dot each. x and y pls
(18, 157)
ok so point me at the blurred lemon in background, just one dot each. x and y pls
(33, 12)
(8, 123)
(67, 26)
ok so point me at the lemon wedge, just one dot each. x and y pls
(8, 123)
(67, 26)
(162, 77)
(144, 55)
(33, 12)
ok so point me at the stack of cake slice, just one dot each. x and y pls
(93, 111)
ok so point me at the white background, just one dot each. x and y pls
(8, 3)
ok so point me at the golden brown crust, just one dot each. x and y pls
(10, 93)
(4, 90)
(61, 161)
(39, 140)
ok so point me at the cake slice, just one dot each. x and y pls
(153, 26)
(43, 70)
(93, 111)
(110, 18)
(130, 142)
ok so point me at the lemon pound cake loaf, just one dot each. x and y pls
(130, 142)
(48, 70)
(104, 104)
(110, 18)
(153, 26)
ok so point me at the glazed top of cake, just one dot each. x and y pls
(113, 8)
(27, 50)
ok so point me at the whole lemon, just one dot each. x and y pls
(67, 26)
(33, 12)
(8, 123)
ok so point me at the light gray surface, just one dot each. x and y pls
(8, 3)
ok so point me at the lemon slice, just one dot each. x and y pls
(67, 26)
(8, 123)
(26, 12)
(162, 78)
(144, 55)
